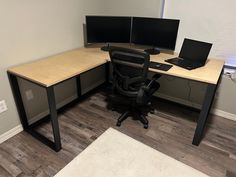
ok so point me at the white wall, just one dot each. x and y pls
(148, 8)
(33, 29)
(212, 21)
(207, 20)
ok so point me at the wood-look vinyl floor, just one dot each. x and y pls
(170, 132)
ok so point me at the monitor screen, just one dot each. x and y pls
(102, 29)
(193, 50)
(156, 32)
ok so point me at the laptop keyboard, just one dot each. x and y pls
(183, 63)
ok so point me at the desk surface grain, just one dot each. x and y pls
(209, 73)
(55, 69)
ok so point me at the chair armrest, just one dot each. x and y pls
(145, 92)
(156, 76)
(150, 84)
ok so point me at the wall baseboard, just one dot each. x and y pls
(19, 128)
(224, 114)
(64, 102)
(216, 112)
(46, 112)
(11, 133)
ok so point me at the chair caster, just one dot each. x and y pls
(145, 126)
(118, 124)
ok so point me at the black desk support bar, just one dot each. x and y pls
(18, 100)
(56, 145)
(54, 118)
(78, 85)
(205, 110)
(107, 72)
(201, 123)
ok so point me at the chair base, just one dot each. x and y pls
(137, 116)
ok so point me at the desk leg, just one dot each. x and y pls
(23, 117)
(54, 118)
(18, 100)
(78, 85)
(107, 72)
(206, 107)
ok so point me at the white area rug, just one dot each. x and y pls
(114, 154)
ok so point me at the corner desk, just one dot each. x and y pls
(56, 69)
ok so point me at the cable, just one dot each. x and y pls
(189, 86)
(189, 94)
(232, 79)
(190, 90)
(168, 78)
(230, 76)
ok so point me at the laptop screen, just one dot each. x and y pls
(195, 51)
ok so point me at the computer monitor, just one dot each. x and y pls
(155, 32)
(108, 29)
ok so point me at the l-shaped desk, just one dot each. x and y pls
(56, 69)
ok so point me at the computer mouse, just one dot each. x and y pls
(158, 65)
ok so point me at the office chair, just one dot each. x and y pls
(130, 68)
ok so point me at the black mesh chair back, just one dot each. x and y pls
(130, 68)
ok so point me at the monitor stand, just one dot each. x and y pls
(105, 48)
(153, 51)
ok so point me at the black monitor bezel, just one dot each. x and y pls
(97, 16)
(153, 44)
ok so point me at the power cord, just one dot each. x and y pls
(232, 79)
(189, 93)
(232, 76)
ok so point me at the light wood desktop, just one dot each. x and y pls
(209, 73)
(56, 69)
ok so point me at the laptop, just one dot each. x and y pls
(193, 54)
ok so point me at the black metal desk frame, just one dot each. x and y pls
(205, 110)
(56, 144)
